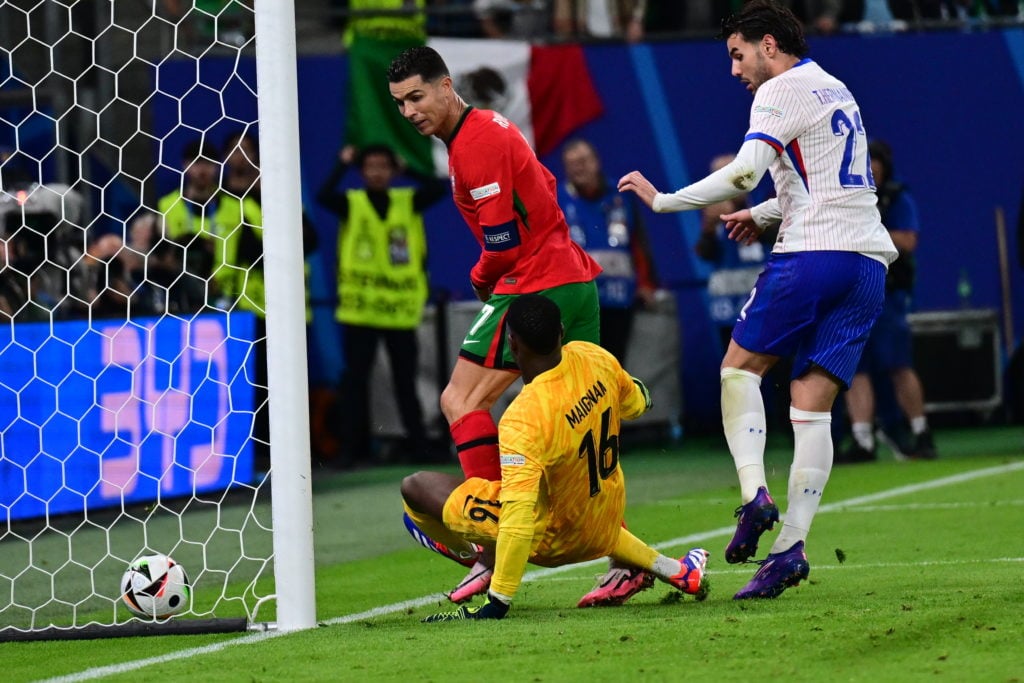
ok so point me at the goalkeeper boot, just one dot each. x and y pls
(691, 575)
(617, 586)
(476, 583)
(778, 572)
(755, 518)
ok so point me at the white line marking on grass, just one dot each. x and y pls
(125, 667)
(745, 569)
(913, 507)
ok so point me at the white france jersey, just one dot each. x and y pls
(822, 175)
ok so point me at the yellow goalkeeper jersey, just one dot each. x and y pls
(562, 491)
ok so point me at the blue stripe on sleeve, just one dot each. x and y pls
(778, 146)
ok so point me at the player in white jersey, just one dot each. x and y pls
(823, 285)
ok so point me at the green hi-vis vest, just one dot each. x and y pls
(387, 26)
(238, 254)
(381, 277)
(182, 220)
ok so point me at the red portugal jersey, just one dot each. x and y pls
(509, 200)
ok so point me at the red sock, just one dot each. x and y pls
(476, 441)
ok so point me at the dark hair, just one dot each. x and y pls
(200, 148)
(537, 321)
(880, 151)
(420, 61)
(371, 150)
(235, 140)
(573, 143)
(759, 18)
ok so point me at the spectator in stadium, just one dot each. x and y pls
(203, 22)
(608, 225)
(453, 18)
(935, 10)
(623, 19)
(192, 215)
(522, 19)
(826, 16)
(508, 200)
(550, 507)
(889, 348)
(44, 239)
(398, 20)
(823, 285)
(382, 289)
(242, 165)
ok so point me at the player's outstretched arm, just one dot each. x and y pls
(635, 182)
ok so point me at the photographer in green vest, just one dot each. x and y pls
(190, 215)
(382, 289)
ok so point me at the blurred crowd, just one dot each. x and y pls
(634, 20)
(197, 247)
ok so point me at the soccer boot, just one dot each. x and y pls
(778, 572)
(855, 453)
(476, 583)
(690, 576)
(617, 586)
(755, 518)
(465, 557)
(923, 447)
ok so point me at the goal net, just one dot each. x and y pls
(134, 411)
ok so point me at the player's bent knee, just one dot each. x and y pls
(412, 488)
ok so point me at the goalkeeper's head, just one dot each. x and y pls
(534, 334)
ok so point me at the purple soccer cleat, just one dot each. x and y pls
(755, 518)
(778, 572)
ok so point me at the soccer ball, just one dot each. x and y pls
(156, 587)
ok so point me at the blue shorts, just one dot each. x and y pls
(816, 307)
(890, 345)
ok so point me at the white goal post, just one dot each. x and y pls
(293, 492)
(153, 374)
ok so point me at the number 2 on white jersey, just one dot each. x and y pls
(842, 126)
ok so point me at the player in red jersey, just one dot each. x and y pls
(509, 200)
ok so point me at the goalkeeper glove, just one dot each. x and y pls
(645, 392)
(494, 608)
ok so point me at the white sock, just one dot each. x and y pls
(666, 567)
(919, 424)
(864, 435)
(812, 463)
(743, 421)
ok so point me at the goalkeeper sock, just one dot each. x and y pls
(630, 551)
(433, 535)
(812, 462)
(744, 424)
(476, 441)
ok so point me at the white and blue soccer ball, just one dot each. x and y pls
(155, 587)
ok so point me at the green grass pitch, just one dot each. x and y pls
(915, 576)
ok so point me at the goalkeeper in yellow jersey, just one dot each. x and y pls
(562, 494)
